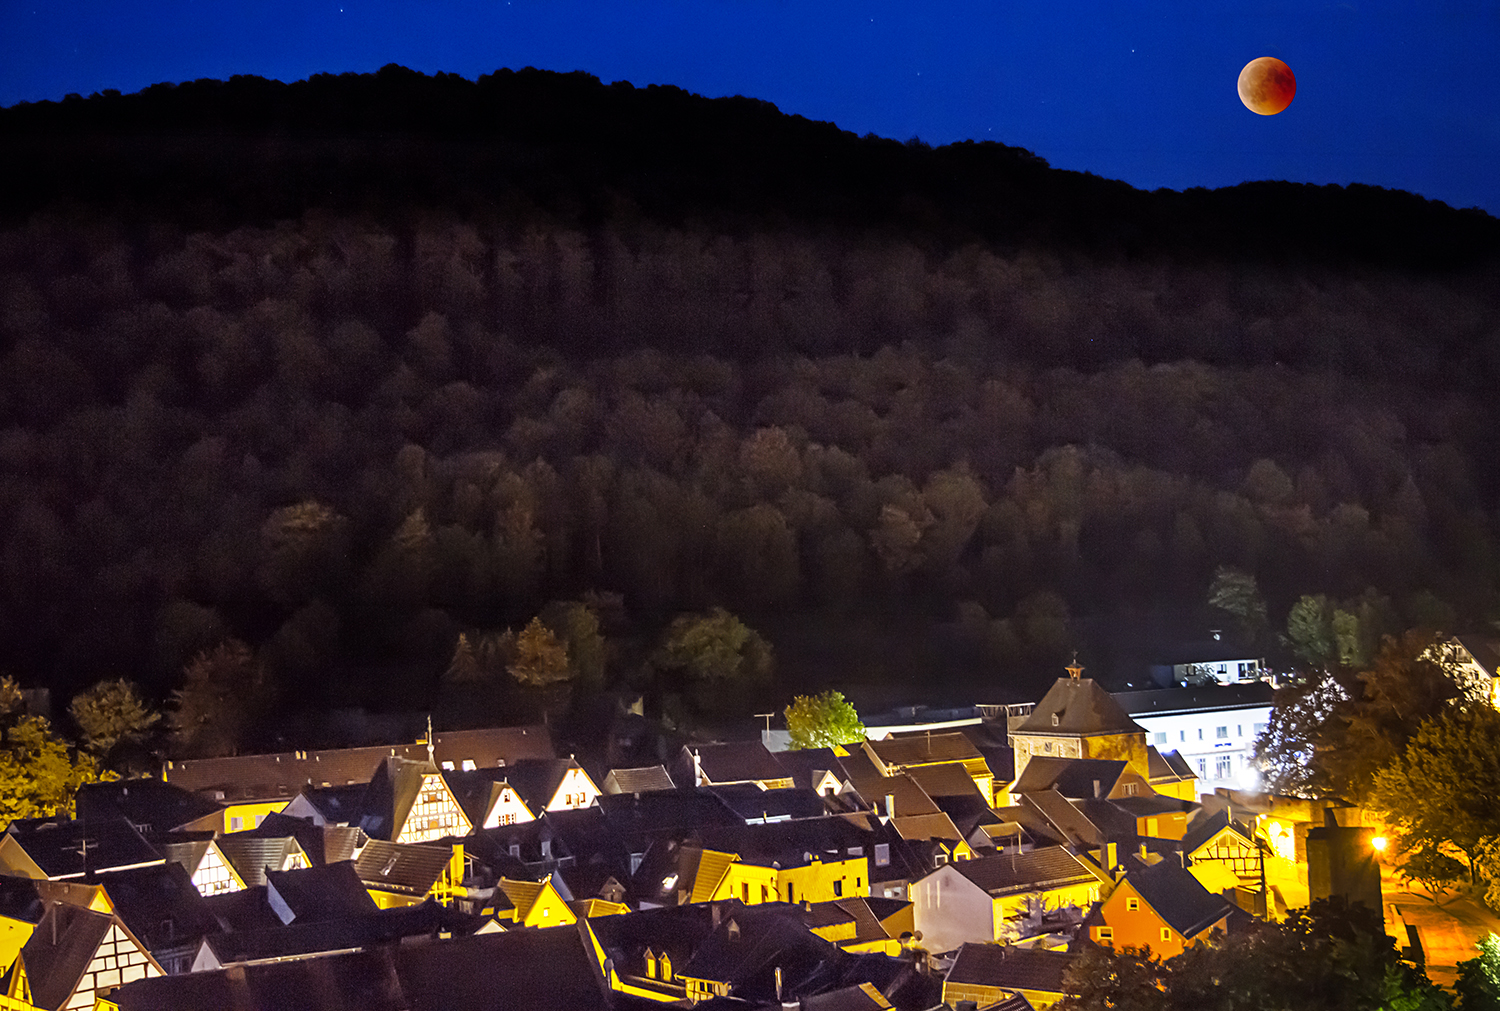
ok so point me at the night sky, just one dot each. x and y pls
(1396, 94)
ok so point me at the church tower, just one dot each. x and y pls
(1078, 719)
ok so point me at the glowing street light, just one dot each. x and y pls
(1378, 843)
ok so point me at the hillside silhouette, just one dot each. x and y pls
(348, 367)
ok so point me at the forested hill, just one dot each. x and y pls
(249, 149)
(345, 368)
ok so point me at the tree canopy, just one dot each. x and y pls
(38, 774)
(112, 711)
(715, 647)
(821, 721)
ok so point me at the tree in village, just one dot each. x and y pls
(38, 774)
(110, 712)
(1328, 957)
(224, 691)
(715, 647)
(821, 721)
(1443, 790)
(576, 624)
(540, 658)
(1234, 592)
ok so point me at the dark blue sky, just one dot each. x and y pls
(1397, 94)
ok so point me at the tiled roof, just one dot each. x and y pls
(640, 780)
(732, 762)
(908, 795)
(920, 827)
(527, 970)
(1071, 777)
(949, 779)
(804, 764)
(159, 904)
(1206, 826)
(1009, 968)
(251, 855)
(59, 951)
(383, 926)
(282, 775)
(750, 802)
(1035, 869)
(536, 780)
(394, 867)
(1178, 898)
(925, 748)
(319, 893)
(1078, 707)
(149, 804)
(66, 849)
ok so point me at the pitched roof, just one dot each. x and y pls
(534, 970)
(924, 748)
(1075, 778)
(59, 951)
(310, 894)
(1484, 650)
(160, 905)
(639, 780)
(807, 764)
(1003, 873)
(252, 855)
(1178, 897)
(1205, 827)
(855, 997)
(920, 827)
(906, 793)
(536, 780)
(1078, 707)
(337, 805)
(392, 792)
(397, 867)
(382, 926)
(1010, 968)
(751, 803)
(791, 843)
(282, 775)
(731, 762)
(949, 779)
(68, 849)
(148, 804)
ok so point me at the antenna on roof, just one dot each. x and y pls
(1075, 669)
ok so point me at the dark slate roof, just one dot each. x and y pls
(283, 775)
(1177, 897)
(675, 930)
(185, 849)
(477, 790)
(1009, 968)
(1484, 650)
(801, 765)
(792, 843)
(770, 936)
(949, 779)
(160, 905)
(1081, 707)
(19, 899)
(244, 910)
(1167, 766)
(732, 762)
(57, 846)
(907, 794)
(148, 804)
(407, 869)
(59, 950)
(1205, 827)
(1155, 803)
(855, 997)
(925, 748)
(749, 801)
(315, 894)
(338, 805)
(515, 850)
(665, 812)
(251, 854)
(383, 926)
(534, 970)
(644, 779)
(1066, 817)
(1036, 869)
(536, 780)
(1208, 698)
(1072, 777)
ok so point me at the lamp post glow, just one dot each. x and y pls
(1378, 844)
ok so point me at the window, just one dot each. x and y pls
(1047, 747)
(1239, 730)
(1223, 767)
(236, 823)
(838, 888)
(1104, 935)
(1130, 789)
(1132, 905)
(1200, 733)
(882, 854)
(939, 858)
(1222, 733)
(1182, 735)
(1166, 933)
(1161, 737)
(468, 765)
(1202, 768)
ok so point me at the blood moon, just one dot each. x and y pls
(1267, 86)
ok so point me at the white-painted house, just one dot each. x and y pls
(1214, 728)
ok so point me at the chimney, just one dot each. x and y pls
(778, 984)
(546, 849)
(697, 768)
(1111, 856)
(890, 805)
(1096, 789)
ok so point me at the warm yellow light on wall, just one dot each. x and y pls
(1378, 843)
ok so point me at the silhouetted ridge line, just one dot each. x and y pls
(214, 153)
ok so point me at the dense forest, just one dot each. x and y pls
(346, 368)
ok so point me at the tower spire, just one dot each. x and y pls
(1075, 669)
(429, 741)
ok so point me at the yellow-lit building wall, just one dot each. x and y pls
(820, 882)
(241, 817)
(1009, 907)
(752, 884)
(13, 937)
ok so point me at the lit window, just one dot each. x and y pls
(468, 765)
(1132, 905)
(1047, 746)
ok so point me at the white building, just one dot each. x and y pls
(1214, 728)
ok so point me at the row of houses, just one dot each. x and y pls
(930, 867)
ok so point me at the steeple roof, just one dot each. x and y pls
(1078, 707)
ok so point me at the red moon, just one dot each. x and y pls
(1267, 86)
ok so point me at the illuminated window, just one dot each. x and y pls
(1132, 905)
(1104, 935)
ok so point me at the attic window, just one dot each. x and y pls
(468, 765)
(1056, 719)
(1132, 905)
(734, 931)
(448, 766)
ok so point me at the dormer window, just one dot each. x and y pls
(1056, 719)
(734, 931)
